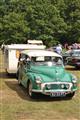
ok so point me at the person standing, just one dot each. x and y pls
(59, 49)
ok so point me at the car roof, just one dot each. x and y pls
(73, 50)
(76, 50)
(40, 53)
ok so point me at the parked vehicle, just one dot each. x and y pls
(72, 57)
(11, 54)
(42, 71)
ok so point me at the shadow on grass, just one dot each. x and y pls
(4, 75)
(21, 91)
(71, 68)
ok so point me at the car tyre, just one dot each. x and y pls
(18, 78)
(29, 90)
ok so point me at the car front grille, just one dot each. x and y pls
(57, 86)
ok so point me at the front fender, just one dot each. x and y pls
(31, 77)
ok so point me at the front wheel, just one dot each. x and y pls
(29, 90)
(18, 78)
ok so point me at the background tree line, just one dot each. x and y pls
(52, 21)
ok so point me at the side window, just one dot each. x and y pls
(21, 56)
(24, 58)
(48, 58)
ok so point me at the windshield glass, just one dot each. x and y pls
(47, 60)
(76, 53)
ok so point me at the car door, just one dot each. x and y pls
(24, 71)
(21, 66)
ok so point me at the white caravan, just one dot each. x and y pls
(11, 55)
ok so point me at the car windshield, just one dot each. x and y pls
(76, 53)
(47, 61)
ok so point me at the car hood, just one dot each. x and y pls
(51, 74)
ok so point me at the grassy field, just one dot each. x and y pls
(15, 104)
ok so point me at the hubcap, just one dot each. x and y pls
(30, 89)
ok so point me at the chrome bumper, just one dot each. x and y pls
(48, 92)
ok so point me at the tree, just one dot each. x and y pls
(72, 19)
(52, 21)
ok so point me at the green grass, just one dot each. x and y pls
(15, 104)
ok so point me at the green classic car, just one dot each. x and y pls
(42, 71)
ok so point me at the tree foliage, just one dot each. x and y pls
(52, 21)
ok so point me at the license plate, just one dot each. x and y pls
(58, 94)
